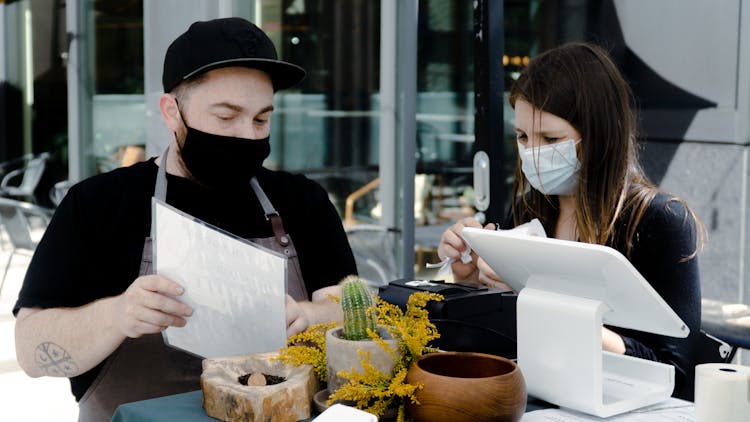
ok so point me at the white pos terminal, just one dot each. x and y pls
(566, 291)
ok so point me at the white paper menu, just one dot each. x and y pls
(236, 288)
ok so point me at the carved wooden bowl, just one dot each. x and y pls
(466, 386)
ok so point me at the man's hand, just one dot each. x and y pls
(149, 306)
(296, 318)
(303, 314)
(87, 335)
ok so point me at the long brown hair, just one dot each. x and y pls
(580, 83)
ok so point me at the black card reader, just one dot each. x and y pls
(469, 318)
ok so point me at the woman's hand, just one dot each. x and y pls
(489, 278)
(612, 342)
(475, 272)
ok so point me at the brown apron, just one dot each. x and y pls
(144, 367)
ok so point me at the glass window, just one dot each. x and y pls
(445, 110)
(34, 90)
(119, 109)
(328, 126)
(119, 46)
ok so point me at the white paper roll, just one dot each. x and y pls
(722, 393)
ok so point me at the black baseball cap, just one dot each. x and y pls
(226, 42)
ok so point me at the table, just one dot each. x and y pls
(188, 407)
(185, 407)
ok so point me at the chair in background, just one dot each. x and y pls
(713, 346)
(422, 188)
(349, 219)
(374, 249)
(27, 177)
(425, 227)
(59, 190)
(17, 218)
(123, 156)
(712, 349)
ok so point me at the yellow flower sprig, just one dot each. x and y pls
(374, 391)
(413, 328)
(308, 348)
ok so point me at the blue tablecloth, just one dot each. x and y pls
(188, 407)
(185, 407)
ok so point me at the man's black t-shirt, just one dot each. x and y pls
(92, 247)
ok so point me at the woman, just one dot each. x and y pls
(578, 173)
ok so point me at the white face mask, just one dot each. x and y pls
(551, 169)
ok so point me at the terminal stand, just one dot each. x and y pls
(561, 358)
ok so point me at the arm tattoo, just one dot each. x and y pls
(54, 360)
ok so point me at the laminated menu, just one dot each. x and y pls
(237, 289)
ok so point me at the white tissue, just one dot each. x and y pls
(532, 228)
(722, 393)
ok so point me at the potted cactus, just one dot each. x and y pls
(349, 344)
(356, 300)
(365, 361)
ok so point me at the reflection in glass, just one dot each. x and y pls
(118, 103)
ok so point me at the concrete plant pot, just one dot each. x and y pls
(341, 355)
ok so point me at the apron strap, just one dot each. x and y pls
(160, 188)
(271, 215)
(277, 225)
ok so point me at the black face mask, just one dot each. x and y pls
(223, 161)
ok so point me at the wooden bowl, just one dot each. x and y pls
(467, 386)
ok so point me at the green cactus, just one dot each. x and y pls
(355, 299)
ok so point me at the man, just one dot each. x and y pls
(90, 310)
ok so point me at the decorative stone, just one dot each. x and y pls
(256, 380)
(226, 399)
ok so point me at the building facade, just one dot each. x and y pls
(392, 94)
